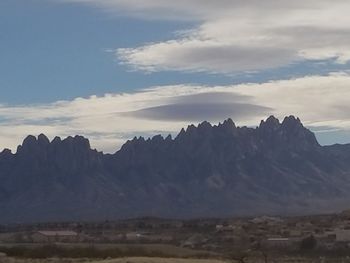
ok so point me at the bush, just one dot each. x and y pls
(308, 243)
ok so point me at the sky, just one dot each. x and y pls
(114, 69)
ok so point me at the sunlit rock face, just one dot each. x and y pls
(205, 171)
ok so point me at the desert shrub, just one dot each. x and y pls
(49, 251)
(308, 243)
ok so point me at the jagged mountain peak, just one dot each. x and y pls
(271, 123)
(157, 138)
(169, 138)
(29, 140)
(41, 144)
(205, 128)
(291, 122)
(288, 122)
(5, 153)
(30, 145)
(43, 140)
(205, 125)
(228, 124)
(77, 141)
(207, 170)
(290, 135)
(291, 128)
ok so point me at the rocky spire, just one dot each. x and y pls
(271, 123)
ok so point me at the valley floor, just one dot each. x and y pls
(121, 260)
(171, 260)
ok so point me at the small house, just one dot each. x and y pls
(342, 235)
(279, 242)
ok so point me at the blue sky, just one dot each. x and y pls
(59, 56)
(52, 51)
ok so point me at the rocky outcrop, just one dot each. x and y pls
(206, 170)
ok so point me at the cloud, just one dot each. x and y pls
(211, 106)
(233, 36)
(200, 111)
(199, 56)
(320, 101)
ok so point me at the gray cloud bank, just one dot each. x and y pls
(200, 111)
(212, 106)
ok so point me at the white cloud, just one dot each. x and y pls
(237, 35)
(320, 101)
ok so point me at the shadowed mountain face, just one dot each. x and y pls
(206, 171)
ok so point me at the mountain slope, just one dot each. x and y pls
(224, 170)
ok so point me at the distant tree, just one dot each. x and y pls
(18, 237)
(241, 250)
(79, 228)
(259, 247)
(308, 243)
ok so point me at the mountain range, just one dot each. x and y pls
(277, 168)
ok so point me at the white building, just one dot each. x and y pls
(342, 235)
(279, 242)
